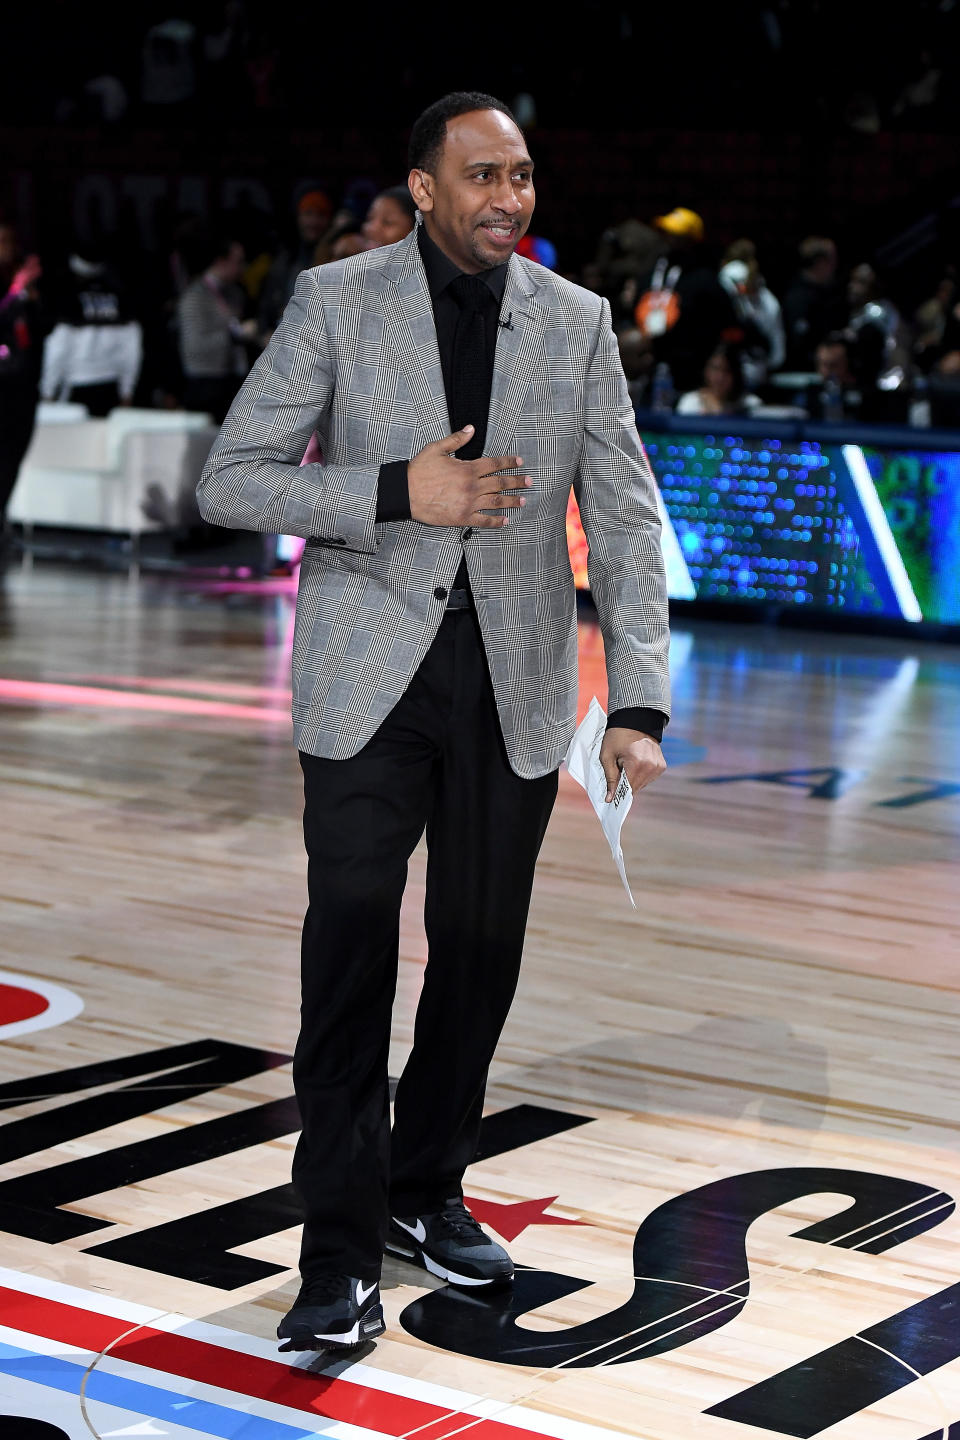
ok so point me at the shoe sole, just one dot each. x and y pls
(418, 1256)
(301, 1337)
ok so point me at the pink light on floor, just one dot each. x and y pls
(40, 692)
(224, 689)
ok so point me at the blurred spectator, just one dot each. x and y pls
(350, 242)
(391, 216)
(94, 352)
(626, 252)
(21, 353)
(836, 396)
(724, 390)
(875, 329)
(169, 73)
(813, 306)
(931, 317)
(214, 337)
(757, 309)
(683, 309)
(636, 356)
(314, 212)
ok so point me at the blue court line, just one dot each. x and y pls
(148, 1400)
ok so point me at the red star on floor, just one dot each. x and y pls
(511, 1220)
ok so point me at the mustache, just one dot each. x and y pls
(502, 224)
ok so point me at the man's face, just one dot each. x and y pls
(832, 363)
(479, 203)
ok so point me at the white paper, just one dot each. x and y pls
(583, 764)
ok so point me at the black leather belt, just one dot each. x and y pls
(459, 600)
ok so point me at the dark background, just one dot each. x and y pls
(778, 121)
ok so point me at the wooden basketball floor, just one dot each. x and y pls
(722, 1131)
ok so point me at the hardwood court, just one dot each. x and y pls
(722, 1130)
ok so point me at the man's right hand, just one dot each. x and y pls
(445, 491)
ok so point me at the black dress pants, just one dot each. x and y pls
(438, 761)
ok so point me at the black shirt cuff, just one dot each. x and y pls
(393, 492)
(651, 722)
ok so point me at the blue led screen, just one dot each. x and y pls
(829, 527)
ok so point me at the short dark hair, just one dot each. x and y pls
(430, 129)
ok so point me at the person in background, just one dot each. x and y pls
(757, 309)
(94, 352)
(836, 395)
(214, 337)
(813, 306)
(350, 242)
(314, 213)
(391, 216)
(723, 391)
(21, 356)
(682, 307)
(930, 320)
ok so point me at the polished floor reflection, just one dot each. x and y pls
(722, 1132)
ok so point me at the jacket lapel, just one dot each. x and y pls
(406, 302)
(518, 356)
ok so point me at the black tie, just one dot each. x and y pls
(472, 370)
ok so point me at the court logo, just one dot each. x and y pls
(29, 1004)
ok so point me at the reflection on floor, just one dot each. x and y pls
(722, 1130)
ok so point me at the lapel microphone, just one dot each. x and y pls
(508, 323)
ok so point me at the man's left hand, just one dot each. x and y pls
(637, 755)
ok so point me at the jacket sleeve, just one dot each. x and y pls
(130, 358)
(616, 492)
(56, 361)
(253, 479)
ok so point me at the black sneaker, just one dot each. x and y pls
(450, 1244)
(333, 1312)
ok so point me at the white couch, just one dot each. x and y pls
(94, 474)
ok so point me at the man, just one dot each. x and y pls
(94, 352)
(682, 308)
(435, 678)
(813, 304)
(314, 213)
(213, 336)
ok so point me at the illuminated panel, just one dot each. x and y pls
(880, 526)
(919, 491)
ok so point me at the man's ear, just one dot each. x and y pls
(420, 183)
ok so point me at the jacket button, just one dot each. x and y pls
(440, 593)
(467, 533)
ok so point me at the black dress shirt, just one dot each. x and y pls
(393, 495)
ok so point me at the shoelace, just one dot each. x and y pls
(456, 1221)
(324, 1289)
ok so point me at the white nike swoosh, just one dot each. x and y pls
(364, 1292)
(418, 1231)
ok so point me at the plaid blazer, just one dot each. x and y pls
(355, 358)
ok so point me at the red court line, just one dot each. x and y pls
(191, 1359)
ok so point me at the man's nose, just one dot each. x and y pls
(507, 201)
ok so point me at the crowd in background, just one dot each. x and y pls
(700, 329)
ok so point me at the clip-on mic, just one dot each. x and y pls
(508, 323)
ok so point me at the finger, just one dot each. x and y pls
(454, 442)
(497, 502)
(497, 465)
(611, 770)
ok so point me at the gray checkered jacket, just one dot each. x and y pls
(355, 358)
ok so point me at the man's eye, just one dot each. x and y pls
(481, 174)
